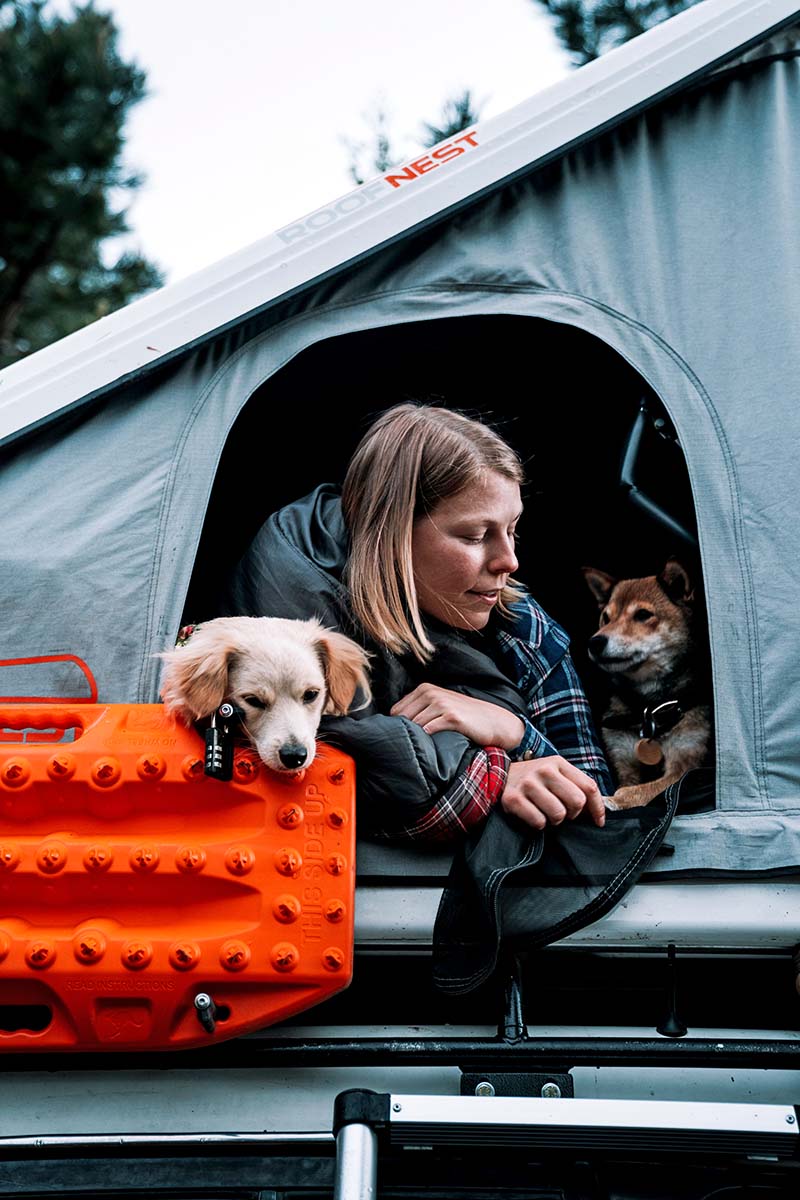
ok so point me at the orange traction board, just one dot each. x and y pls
(130, 883)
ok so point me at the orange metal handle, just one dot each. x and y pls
(83, 667)
(44, 716)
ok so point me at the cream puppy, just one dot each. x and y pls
(282, 674)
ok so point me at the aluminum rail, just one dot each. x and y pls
(166, 1141)
(474, 1053)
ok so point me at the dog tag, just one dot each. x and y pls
(649, 752)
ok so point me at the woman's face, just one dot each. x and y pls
(463, 552)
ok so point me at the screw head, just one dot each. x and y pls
(234, 955)
(397, 1108)
(61, 767)
(333, 959)
(337, 818)
(284, 956)
(337, 775)
(183, 956)
(335, 911)
(10, 857)
(245, 770)
(151, 767)
(40, 954)
(790, 1118)
(192, 768)
(89, 945)
(98, 859)
(290, 816)
(136, 955)
(239, 860)
(336, 864)
(288, 861)
(106, 772)
(484, 1088)
(551, 1091)
(51, 858)
(286, 908)
(144, 859)
(15, 772)
(190, 860)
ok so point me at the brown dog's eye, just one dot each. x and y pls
(643, 614)
(310, 696)
(254, 701)
(604, 618)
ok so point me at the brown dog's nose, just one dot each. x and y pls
(597, 645)
(293, 757)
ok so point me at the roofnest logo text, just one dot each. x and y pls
(370, 194)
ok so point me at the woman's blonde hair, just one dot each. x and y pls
(413, 457)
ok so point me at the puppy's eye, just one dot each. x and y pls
(254, 701)
(310, 696)
(643, 614)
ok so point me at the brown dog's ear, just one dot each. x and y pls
(676, 583)
(345, 665)
(196, 679)
(600, 585)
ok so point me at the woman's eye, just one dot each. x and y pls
(254, 701)
(643, 614)
(473, 541)
(310, 696)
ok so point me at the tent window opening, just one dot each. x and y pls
(607, 480)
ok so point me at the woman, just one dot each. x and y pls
(476, 701)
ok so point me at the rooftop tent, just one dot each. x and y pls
(638, 222)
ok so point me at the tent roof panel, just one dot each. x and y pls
(419, 192)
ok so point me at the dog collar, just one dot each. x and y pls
(660, 718)
(656, 719)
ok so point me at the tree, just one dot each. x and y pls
(65, 94)
(376, 155)
(588, 28)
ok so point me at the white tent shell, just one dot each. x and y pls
(669, 232)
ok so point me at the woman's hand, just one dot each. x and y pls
(550, 790)
(436, 708)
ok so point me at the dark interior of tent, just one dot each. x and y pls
(607, 485)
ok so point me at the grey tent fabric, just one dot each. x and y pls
(675, 240)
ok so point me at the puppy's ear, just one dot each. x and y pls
(345, 665)
(600, 585)
(196, 678)
(676, 583)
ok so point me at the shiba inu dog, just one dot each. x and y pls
(658, 723)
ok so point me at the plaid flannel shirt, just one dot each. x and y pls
(533, 651)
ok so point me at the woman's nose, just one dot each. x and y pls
(504, 561)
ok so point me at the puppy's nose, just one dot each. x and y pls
(293, 756)
(597, 645)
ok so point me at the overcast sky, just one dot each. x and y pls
(250, 100)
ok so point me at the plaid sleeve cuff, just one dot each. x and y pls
(465, 804)
(533, 744)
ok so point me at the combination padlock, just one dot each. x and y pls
(219, 742)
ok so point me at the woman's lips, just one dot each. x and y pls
(488, 598)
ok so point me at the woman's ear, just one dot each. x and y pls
(345, 665)
(196, 678)
(600, 585)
